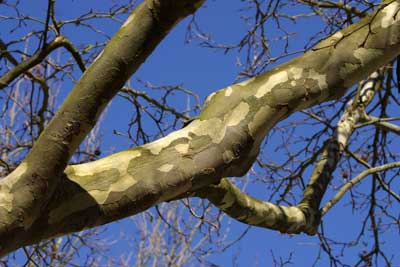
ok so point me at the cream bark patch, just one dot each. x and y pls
(361, 53)
(122, 184)
(6, 197)
(296, 73)
(337, 35)
(15, 175)
(119, 161)
(228, 91)
(272, 81)
(166, 168)
(92, 197)
(295, 217)
(238, 114)
(390, 15)
(212, 128)
(182, 148)
(342, 133)
(320, 78)
(209, 97)
(6, 200)
(364, 54)
(158, 145)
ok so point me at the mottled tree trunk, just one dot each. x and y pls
(43, 198)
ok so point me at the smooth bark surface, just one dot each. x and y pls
(306, 216)
(26, 192)
(38, 200)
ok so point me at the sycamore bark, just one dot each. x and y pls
(44, 197)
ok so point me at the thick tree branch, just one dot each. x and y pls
(244, 208)
(25, 193)
(334, 147)
(305, 217)
(222, 142)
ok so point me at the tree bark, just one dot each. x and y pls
(25, 193)
(38, 200)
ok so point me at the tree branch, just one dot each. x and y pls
(384, 125)
(305, 217)
(25, 193)
(340, 5)
(38, 57)
(223, 141)
(356, 180)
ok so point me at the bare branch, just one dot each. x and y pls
(356, 180)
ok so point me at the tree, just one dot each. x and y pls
(44, 197)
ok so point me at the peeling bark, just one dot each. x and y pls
(304, 217)
(27, 191)
(39, 201)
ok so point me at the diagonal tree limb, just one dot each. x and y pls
(354, 113)
(304, 217)
(222, 142)
(26, 191)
